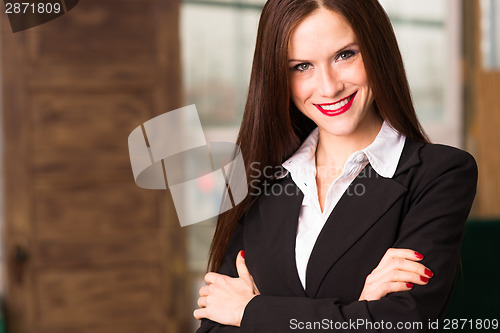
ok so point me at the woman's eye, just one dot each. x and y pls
(345, 55)
(302, 67)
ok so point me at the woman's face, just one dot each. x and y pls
(327, 76)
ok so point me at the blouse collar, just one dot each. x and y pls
(383, 154)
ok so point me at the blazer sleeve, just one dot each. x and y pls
(228, 267)
(439, 204)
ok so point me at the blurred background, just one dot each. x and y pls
(85, 250)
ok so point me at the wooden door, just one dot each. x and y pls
(86, 250)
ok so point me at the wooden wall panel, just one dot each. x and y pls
(86, 76)
(149, 327)
(98, 32)
(482, 108)
(60, 121)
(117, 209)
(84, 134)
(141, 248)
(17, 222)
(100, 253)
(78, 298)
(488, 143)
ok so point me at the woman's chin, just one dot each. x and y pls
(340, 129)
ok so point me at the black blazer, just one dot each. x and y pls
(423, 207)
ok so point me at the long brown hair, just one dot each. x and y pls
(273, 128)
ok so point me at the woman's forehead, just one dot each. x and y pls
(322, 28)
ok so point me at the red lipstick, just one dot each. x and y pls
(339, 111)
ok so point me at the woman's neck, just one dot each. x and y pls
(333, 151)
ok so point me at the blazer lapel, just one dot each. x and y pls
(280, 216)
(368, 197)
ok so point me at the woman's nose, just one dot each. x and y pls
(329, 82)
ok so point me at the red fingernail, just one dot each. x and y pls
(419, 255)
(424, 279)
(429, 273)
(409, 285)
(243, 253)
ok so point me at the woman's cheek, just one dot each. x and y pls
(299, 90)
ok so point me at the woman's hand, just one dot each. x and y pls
(224, 298)
(397, 271)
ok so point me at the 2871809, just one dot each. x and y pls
(32, 7)
(470, 324)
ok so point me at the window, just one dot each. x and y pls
(490, 34)
(217, 41)
(428, 32)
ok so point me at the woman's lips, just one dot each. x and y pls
(337, 108)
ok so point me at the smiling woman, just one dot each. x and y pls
(330, 77)
(329, 104)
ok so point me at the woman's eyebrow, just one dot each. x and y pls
(346, 47)
(336, 52)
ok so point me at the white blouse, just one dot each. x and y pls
(383, 154)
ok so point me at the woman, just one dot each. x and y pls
(337, 240)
